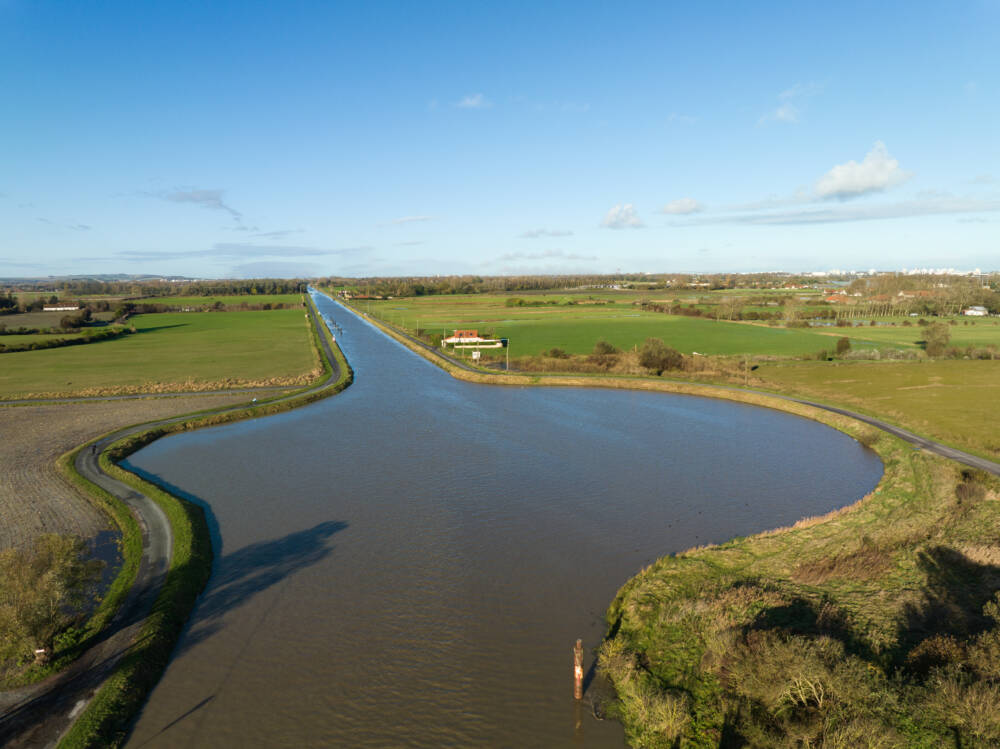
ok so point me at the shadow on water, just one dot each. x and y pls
(239, 576)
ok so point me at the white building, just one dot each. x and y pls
(976, 311)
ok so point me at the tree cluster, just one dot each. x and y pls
(44, 589)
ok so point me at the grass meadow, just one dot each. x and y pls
(171, 349)
(225, 301)
(576, 328)
(956, 401)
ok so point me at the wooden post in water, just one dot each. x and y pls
(578, 670)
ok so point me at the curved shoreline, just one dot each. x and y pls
(158, 542)
(86, 703)
(463, 371)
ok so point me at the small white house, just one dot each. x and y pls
(60, 307)
(975, 311)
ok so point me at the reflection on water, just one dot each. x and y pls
(410, 561)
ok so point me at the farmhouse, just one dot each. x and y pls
(464, 336)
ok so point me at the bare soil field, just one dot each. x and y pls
(34, 498)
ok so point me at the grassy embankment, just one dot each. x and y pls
(106, 719)
(871, 626)
(170, 352)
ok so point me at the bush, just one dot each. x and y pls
(43, 590)
(843, 345)
(936, 337)
(603, 348)
(657, 356)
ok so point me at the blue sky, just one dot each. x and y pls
(251, 139)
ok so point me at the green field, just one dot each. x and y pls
(576, 328)
(956, 401)
(171, 349)
(985, 332)
(44, 319)
(225, 301)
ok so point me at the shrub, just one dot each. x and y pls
(843, 345)
(936, 337)
(603, 348)
(657, 356)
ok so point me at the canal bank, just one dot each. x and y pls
(412, 561)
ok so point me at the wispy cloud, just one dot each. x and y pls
(72, 227)
(5, 262)
(856, 212)
(275, 270)
(877, 172)
(683, 207)
(411, 219)
(210, 199)
(413, 243)
(983, 179)
(676, 118)
(545, 255)
(540, 233)
(474, 101)
(279, 234)
(240, 250)
(790, 103)
(622, 217)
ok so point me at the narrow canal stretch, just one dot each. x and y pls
(410, 561)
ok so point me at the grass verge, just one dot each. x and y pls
(106, 719)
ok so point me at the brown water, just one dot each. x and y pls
(408, 563)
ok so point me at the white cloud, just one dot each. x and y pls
(474, 101)
(877, 172)
(681, 119)
(790, 103)
(622, 217)
(682, 207)
(538, 233)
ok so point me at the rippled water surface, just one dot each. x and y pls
(409, 562)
